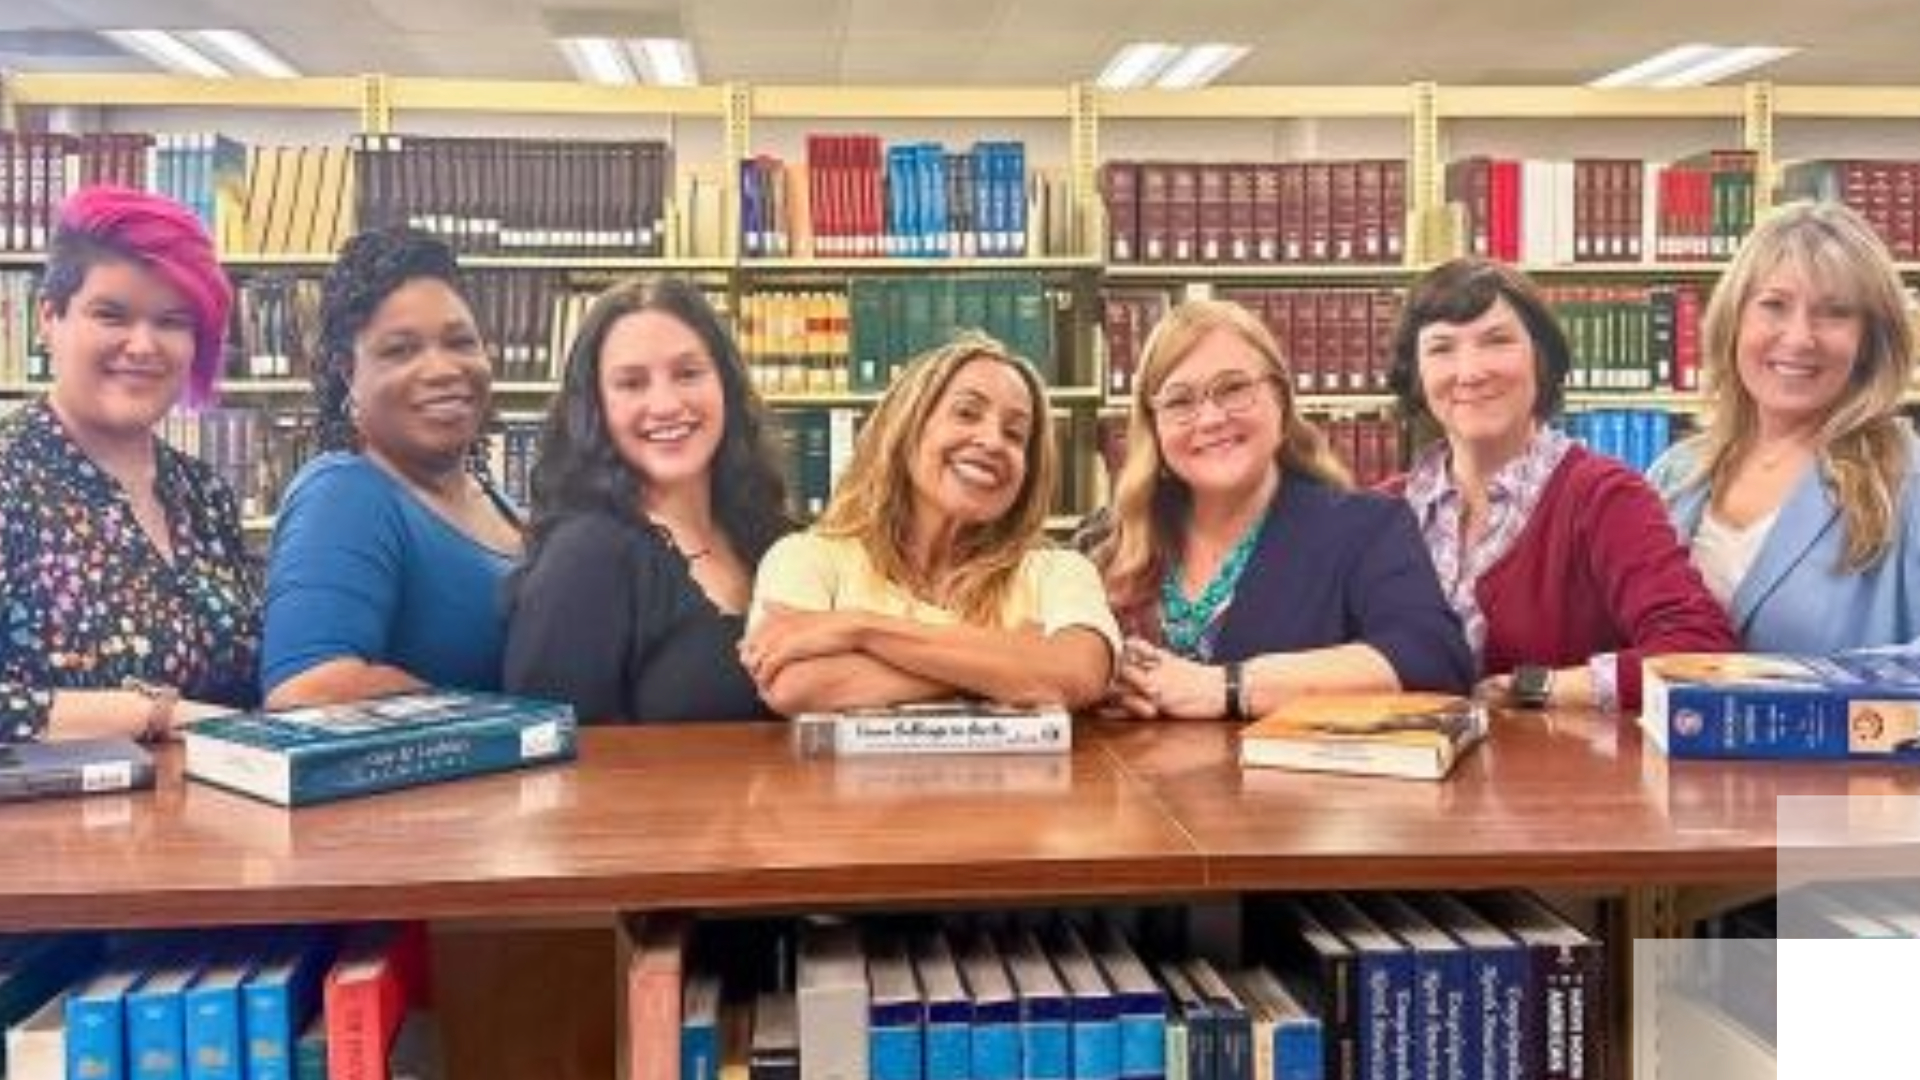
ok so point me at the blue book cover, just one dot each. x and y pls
(1861, 705)
(700, 1027)
(896, 1014)
(1320, 973)
(996, 1010)
(78, 767)
(215, 1032)
(1564, 1028)
(1442, 1048)
(1141, 1005)
(156, 1016)
(279, 998)
(1189, 1025)
(1232, 1028)
(1297, 1040)
(949, 1031)
(1496, 974)
(1046, 1051)
(1093, 1009)
(1384, 979)
(1013, 166)
(295, 757)
(97, 1021)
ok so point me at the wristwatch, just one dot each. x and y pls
(1236, 689)
(1531, 686)
(161, 699)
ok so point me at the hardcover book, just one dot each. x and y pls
(295, 757)
(1411, 735)
(80, 767)
(1736, 705)
(936, 727)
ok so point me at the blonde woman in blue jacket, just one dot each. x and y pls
(1800, 498)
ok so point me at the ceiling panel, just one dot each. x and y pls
(1046, 41)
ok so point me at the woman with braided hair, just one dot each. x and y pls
(391, 546)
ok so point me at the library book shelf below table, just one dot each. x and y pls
(724, 818)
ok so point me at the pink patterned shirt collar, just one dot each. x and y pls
(1512, 494)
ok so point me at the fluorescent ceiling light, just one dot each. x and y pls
(1199, 65)
(597, 60)
(664, 61)
(1693, 65)
(1136, 65)
(244, 52)
(166, 51)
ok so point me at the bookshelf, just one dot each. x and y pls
(732, 823)
(1069, 133)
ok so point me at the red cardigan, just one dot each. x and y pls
(1597, 568)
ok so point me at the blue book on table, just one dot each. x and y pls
(298, 756)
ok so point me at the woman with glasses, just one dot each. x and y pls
(929, 576)
(1560, 562)
(1243, 567)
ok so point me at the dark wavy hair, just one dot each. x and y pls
(371, 267)
(580, 469)
(1461, 291)
(103, 223)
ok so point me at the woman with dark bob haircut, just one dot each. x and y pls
(1553, 556)
(657, 492)
(391, 545)
(130, 603)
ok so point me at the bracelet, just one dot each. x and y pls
(1236, 691)
(161, 700)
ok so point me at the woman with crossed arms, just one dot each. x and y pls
(929, 575)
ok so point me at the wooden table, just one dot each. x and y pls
(723, 816)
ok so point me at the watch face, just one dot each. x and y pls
(1532, 685)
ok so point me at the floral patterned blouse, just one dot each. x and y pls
(87, 600)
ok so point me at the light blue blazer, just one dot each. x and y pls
(1795, 599)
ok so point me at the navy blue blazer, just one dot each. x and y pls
(1335, 567)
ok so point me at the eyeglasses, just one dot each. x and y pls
(1232, 393)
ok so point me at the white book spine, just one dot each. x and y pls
(905, 733)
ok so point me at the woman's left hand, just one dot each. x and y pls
(1175, 687)
(784, 635)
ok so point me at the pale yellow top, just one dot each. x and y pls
(1055, 588)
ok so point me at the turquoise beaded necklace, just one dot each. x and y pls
(1184, 622)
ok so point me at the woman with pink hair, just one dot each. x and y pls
(129, 604)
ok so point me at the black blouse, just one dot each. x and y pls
(88, 600)
(607, 617)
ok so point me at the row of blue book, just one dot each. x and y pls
(1488, 986)
(1635, 436)
(289, 1003)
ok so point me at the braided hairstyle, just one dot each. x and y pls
(371, 267)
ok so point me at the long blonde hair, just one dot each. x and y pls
(1151, 506)
(872, 501)
(1863, 440)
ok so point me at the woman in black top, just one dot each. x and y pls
(128, 601)
(657, 490)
